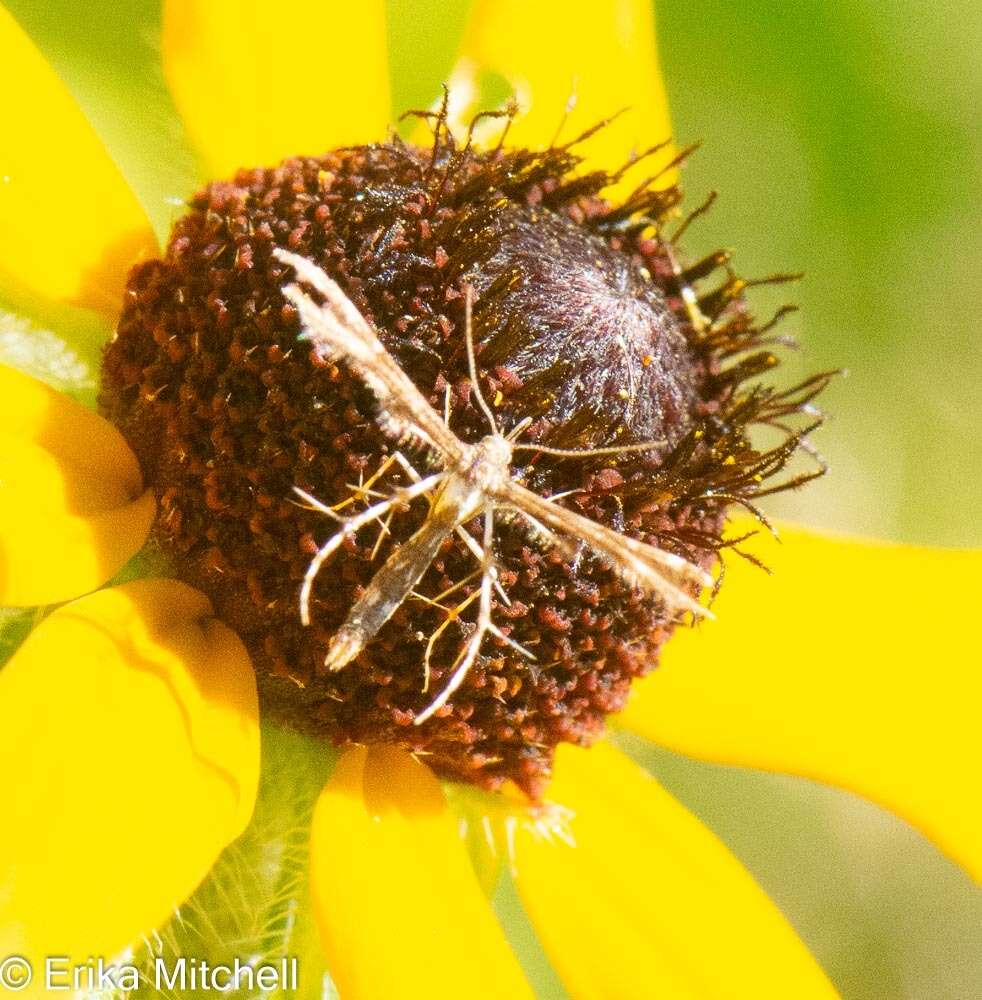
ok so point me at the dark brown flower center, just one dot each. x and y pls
(600, 352)
(580, 329)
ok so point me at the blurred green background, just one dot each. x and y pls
(845, 140)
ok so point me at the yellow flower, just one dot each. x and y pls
(129, 732)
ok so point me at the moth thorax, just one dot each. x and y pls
(492, 459)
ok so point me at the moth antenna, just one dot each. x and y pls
(472, 359)
(453, 588)
(621, 449)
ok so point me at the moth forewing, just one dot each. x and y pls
(646, 566)
(538, 534)
(336, 342)
(340, 332)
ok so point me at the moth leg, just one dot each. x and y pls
(475, 549)
(363, 491)
(382, 532)
(406, 466)
(468, 655)
(508, 641)
(452, 615)
(314, 504)
(350, 526)
(434, 602)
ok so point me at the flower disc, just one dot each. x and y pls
(581, 330)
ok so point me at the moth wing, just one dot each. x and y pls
(339, 332)
(653, 570)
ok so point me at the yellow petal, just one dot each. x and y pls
(129, 745)
(400, 910)
(855, 663)
(636, 898)
(72, 505)
(70, 227)
(257, 81)
(600, 52)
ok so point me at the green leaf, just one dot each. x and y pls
(69, 364)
